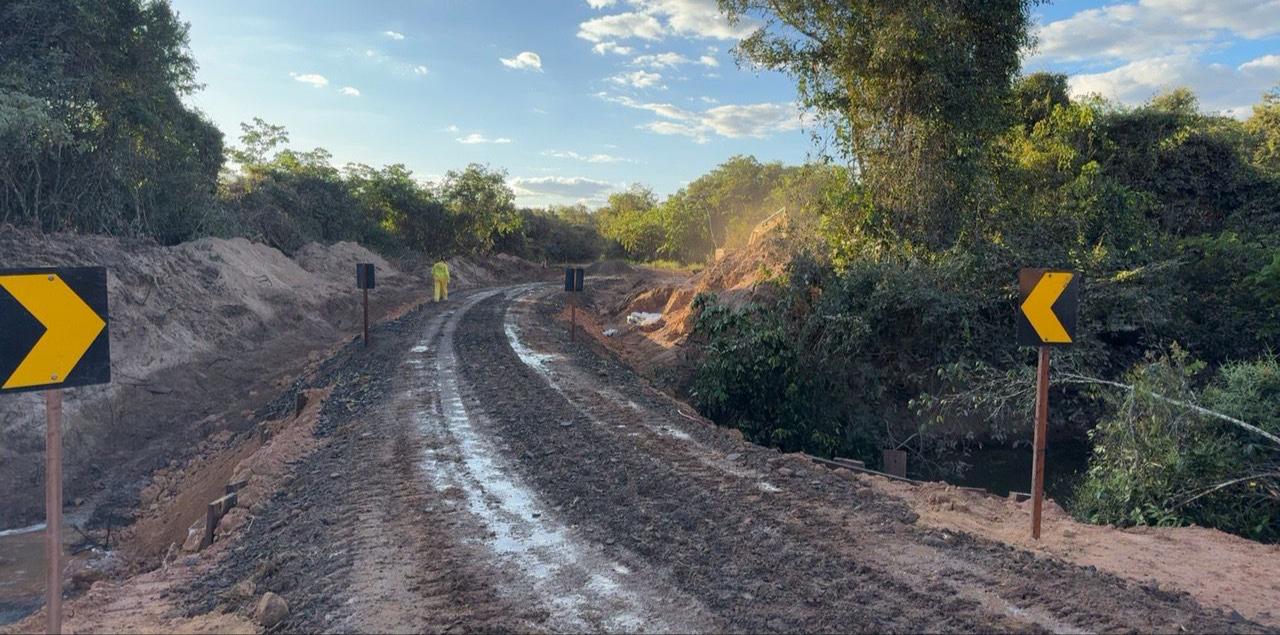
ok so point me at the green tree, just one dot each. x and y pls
(1265, 125)
(912, 88)
(94, 131)
(632, 220)
(483, 204)
(1036, 95)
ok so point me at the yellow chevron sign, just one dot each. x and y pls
(1047, 310)
(55, 328)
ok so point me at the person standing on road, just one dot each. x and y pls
(440, 271)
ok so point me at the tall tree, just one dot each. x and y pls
(92, 124)
(1265, 125)
(483, 203)
(914, 90)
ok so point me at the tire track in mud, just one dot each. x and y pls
(818, 554)
(356, 542)
(544, 562)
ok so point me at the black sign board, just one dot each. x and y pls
(579, 275)
(364, 276)
(54, 328)
(568, 279)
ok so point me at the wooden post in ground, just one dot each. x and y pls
(53, 507)
(366, 317)
(1042, 430)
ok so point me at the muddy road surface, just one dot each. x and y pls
(483, 472)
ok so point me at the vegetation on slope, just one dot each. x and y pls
(893, 324)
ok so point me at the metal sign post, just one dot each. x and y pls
(1042, 431)
(55, 336)
(1046, 317)
(573, 282)
(364, 282)
(53, 507)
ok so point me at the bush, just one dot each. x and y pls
(1162, 463)
(751, 378)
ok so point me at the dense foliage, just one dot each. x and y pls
(1158, 463)
(897, 331)
(94, 137)
(892, 326)
(93, 133)
(912, 89)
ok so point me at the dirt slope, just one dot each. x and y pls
(476, 471)
(198, 331)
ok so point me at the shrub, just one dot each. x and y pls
(1157, 462)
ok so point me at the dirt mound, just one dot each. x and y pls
(734, 279)
(335, 261)
(196, 329)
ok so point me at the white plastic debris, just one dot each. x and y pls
(640, 318)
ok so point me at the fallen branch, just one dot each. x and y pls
(1072, 378)
(1225, 484)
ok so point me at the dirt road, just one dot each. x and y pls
(485, 473)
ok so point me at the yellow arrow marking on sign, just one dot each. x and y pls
(1038, 307)
(70, 328)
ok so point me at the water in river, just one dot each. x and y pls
(1003, 469)
(22, 569)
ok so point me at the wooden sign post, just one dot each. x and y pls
(55, 336)
(1046, 317)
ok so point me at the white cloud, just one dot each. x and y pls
(611, 47)
(352, 92)
(698, 18)
(1220, 88)
(707, 60)
(637, 79)
(393, 35)
(660, 60)
(1264, 64)
(1138, 48)
(420, 70)
(731, 121)
(1150, 28)
(477, 138)
(549, 189)
(709, 100)
(621, 27)
(319, 81)
(656, 19)
(585, 158)
(525, 61)
(451, 128)
(600, 4)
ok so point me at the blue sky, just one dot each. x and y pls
(577, 98)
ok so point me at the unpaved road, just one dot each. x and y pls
(484, 473)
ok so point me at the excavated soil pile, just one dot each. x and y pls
(645, 315)
(734, 279)
(196, 329)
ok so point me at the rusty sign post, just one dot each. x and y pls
(364, 282)
(55, 336)
(1046, 317)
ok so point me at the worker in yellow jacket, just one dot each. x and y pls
(440, 271)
